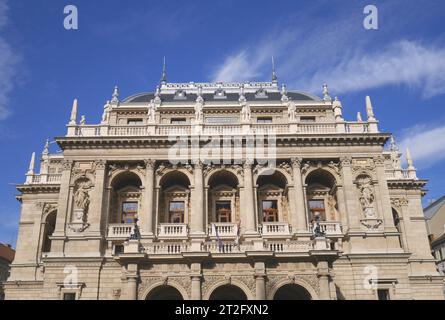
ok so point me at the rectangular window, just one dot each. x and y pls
(69, 296)
(223, 211)
(129, 212)
(307, 119)
(316, 208)
(264, 120)
(178, 120)
(176, 212)
(270, 211)
(383, 294)
(135, 121)
(118, 249)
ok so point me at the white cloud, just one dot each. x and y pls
(8, 64)
(427, 145)
(311, 52)
(403, 63)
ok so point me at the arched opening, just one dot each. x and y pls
(174, 198)
(228, 292)
(125, 198)
(50, 225)
(292, 292)
(321, 193)
(272, 197)
(223, 197)
(164, 292)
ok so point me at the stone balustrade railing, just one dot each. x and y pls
(274, 229)
(51, 178)
(120, 230)
(223, 230)
(172, 230)
(217, 129)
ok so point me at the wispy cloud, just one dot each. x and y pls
(426, 143)
(340, 53)
(8, 63)
(403, 63)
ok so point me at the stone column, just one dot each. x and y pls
(196, 288)
(63, 213)
(132, 281)
(323, 279)
(353, 209)
(384, 194)
(97, 199)
(197, 217)
(260, 280)
(195, 275)
(149, 197)
(249, 199)
(298, 216)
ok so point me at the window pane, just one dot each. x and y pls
(69, 296)
(129, 212)
(316, 204)
(383, 294)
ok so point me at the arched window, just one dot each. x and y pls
(272, 197)
(50, 225)
(125, 198)
(223, 197)
(174, 198)
(321, 196)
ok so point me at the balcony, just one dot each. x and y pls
(120, 230)
(217, 129)
(274, 229)
(330, 228)
(167, 248)
(172, 231)
(289, 246)
(225, 230)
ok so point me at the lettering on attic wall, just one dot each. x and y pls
(71, 21)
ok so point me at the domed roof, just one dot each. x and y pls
(146, 97)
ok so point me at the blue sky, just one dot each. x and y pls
(43, 67)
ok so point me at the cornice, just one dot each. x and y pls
(407, 184)
(132, 142)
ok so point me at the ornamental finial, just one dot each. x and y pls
(164, 73)
(326, 96)
(274, 74)
(115, 97)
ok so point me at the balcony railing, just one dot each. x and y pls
(120, 230)
(330, 228)
(172, 230)
(52, 178)
(217, 129)
(289, 246)
(274, 229)
(223, 229)
(166, 248)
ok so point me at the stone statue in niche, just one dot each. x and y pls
(81, 203)
(292, 111)
(332, 208)
(245, 113)
(366, 197)
(81, 197)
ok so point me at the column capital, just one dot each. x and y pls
(100, 164)
(346, 161)
(247, 164)
(150, 164)
(296, 162)
(198, 164)
(67, 165)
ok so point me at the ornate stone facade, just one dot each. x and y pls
(203, 191)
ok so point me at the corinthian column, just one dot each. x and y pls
(149, 197)
(249, 197)
(299, 216)
(197, 219)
